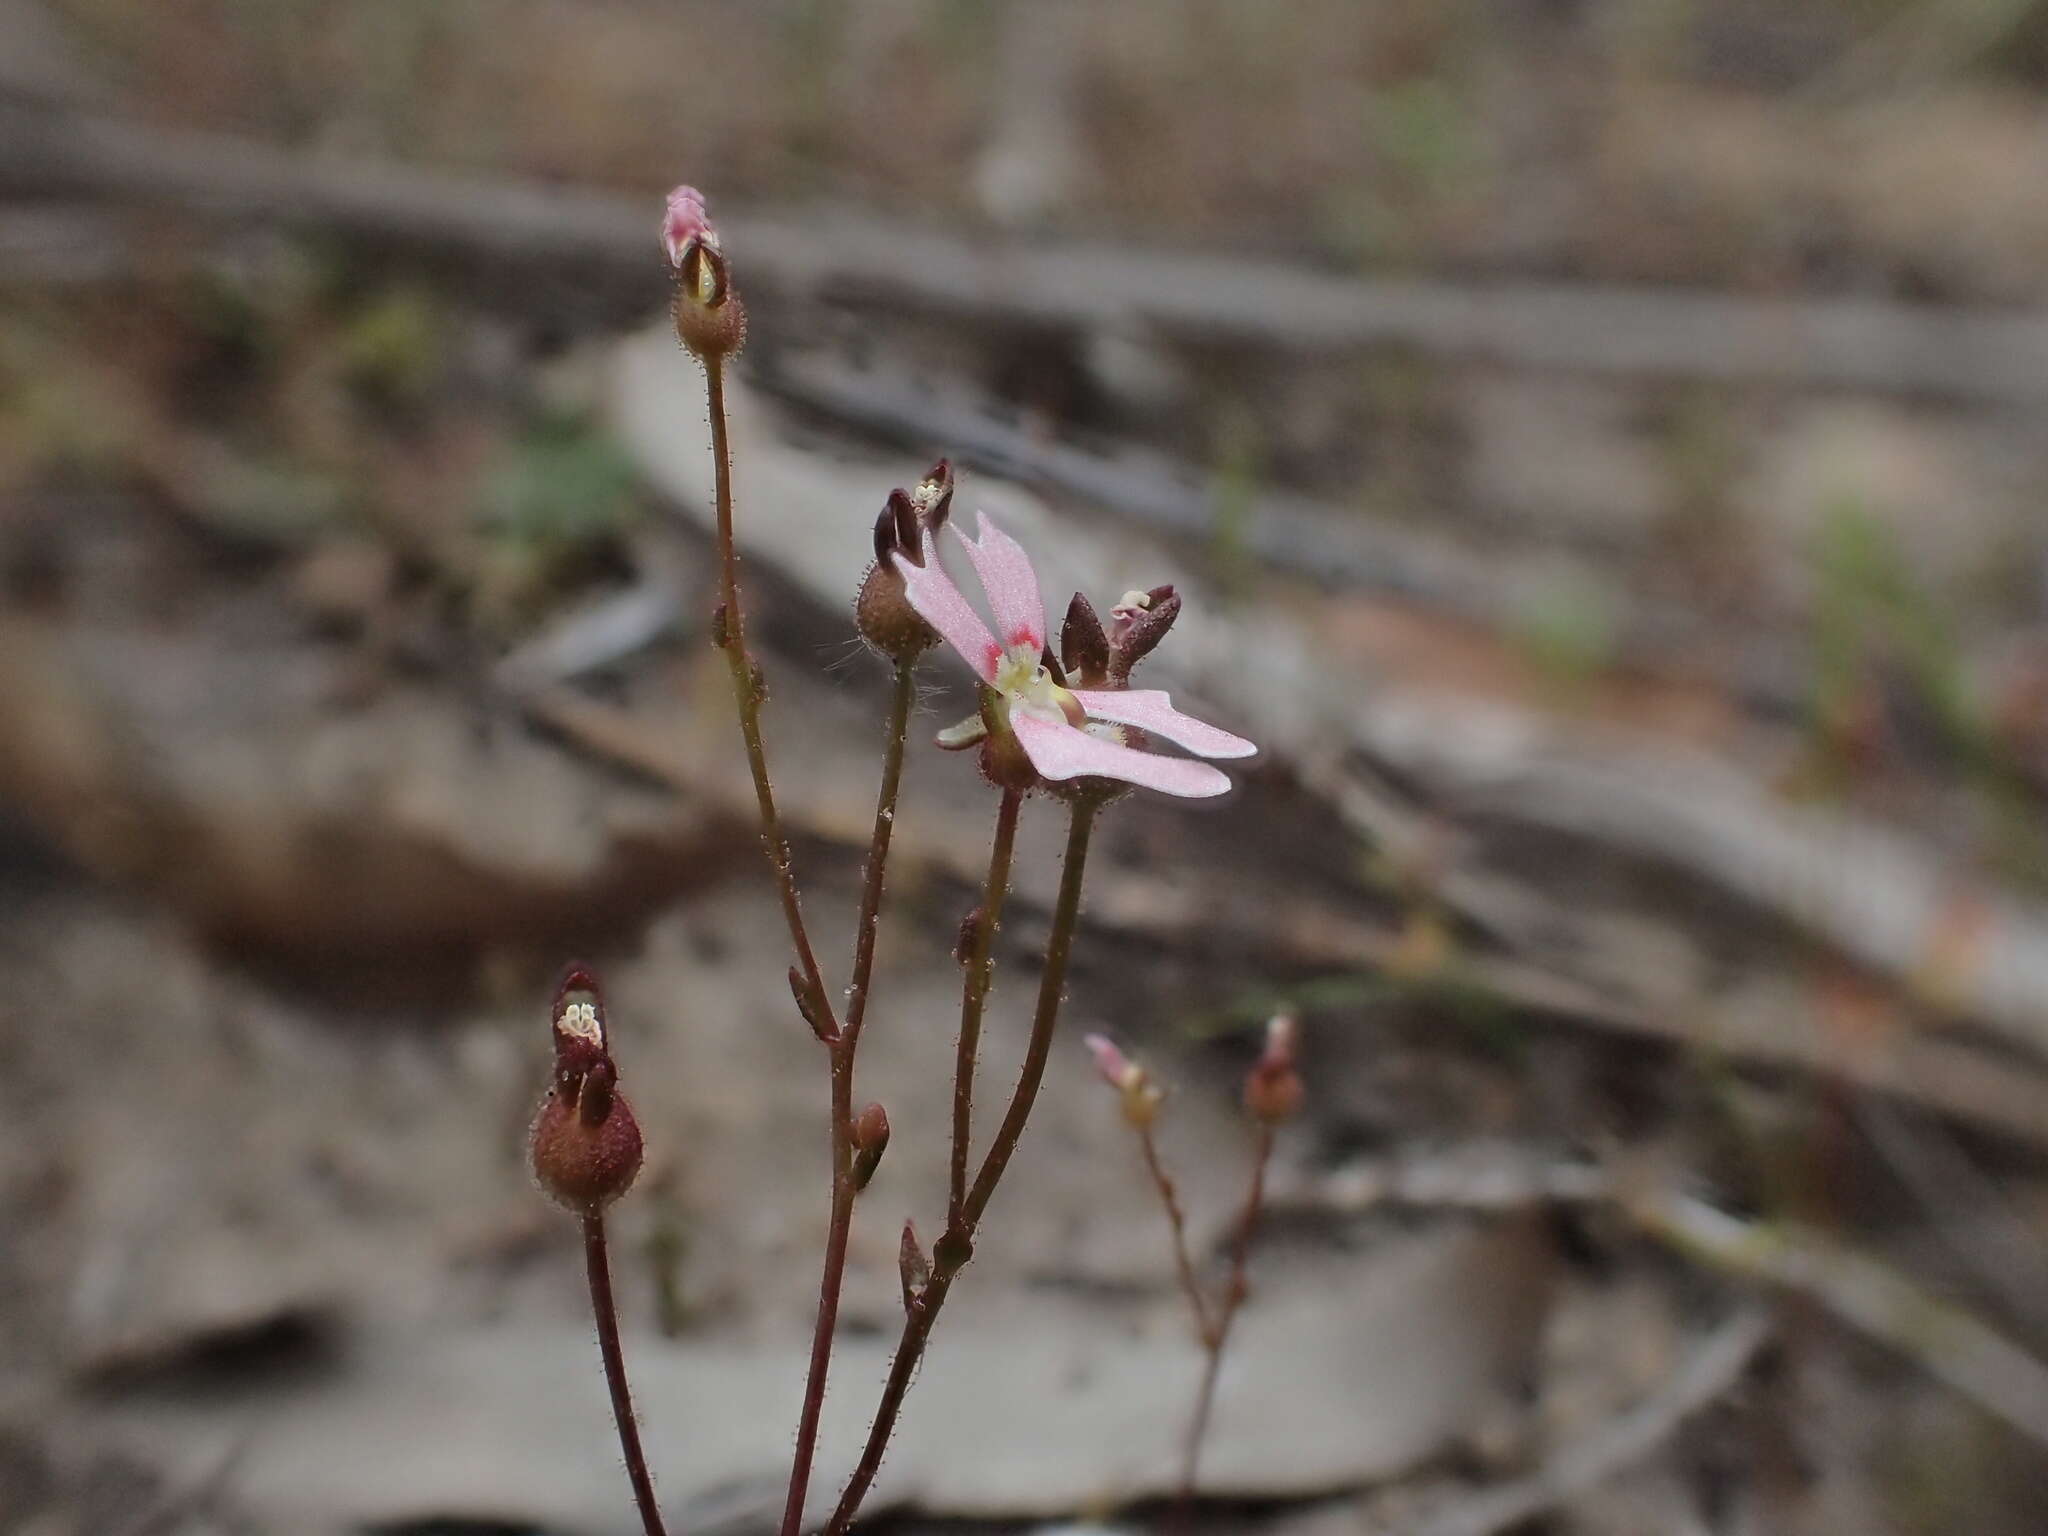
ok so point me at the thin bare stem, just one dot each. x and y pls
(974, 997)
(1234, 1294)
(956, 1247)
(747, 690)
(843, 1045)
(597, 1260)
(1169, 1197)
(901, 700)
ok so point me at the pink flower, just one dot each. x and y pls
(685, 221)
(1066, 732)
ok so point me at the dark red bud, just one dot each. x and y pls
(586, 1160)
(1139, 629)
(586, 1145)
(1273, 1089)
(721, 634)
(1084, 646)
(896, 531)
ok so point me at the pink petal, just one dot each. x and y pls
(683, 222)
(1059, 751)
(939, 603)
(1109, 1061)
(1150, 710)
(1011, 585)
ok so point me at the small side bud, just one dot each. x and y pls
(1084, 646)
(585, 1145)
(913, 1266)
(1139, 1095)
(1139, 622)
(709, 318)
(1272, 1089)
(807, 1005)
(969, 935)
(721, 628)
(870, 1141)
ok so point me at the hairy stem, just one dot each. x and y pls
(974, 997)
(1233, 1298)
(747, 690)
(1184, 1265)
(597, 1259)
(951, 1253)
(840, 1229)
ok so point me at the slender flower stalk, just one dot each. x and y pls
(1217, 1336)
(840, 1227)
(1272, 1093)
(598, 1263)
(586, 1150)
(956, 1247)
(1176, 1218)
(980, 965)
(749, 693)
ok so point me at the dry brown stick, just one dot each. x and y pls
(1834, 343)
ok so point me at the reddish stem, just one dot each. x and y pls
(841, 1053)
(974, 998)
(956, 1247)
(1169, 1196)
(597, 1260)
(747, 695)
(1233, 1298)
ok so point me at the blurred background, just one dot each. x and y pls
(1603, 445)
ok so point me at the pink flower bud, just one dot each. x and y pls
(683, 222)
(1273, 1089)
(709, 318)
(1139, 1094)
(1110, 1061)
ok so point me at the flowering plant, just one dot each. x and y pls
(1070, 725)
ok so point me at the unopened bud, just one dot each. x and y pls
(721, 629)
(586, 1146)
(710, 319)
(870, 1141)
(968, 937)
(1139, 622)
(1084, 647)
(913, 1266)
(1273, 1089)
(1139, 1095)
(807, 1005)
